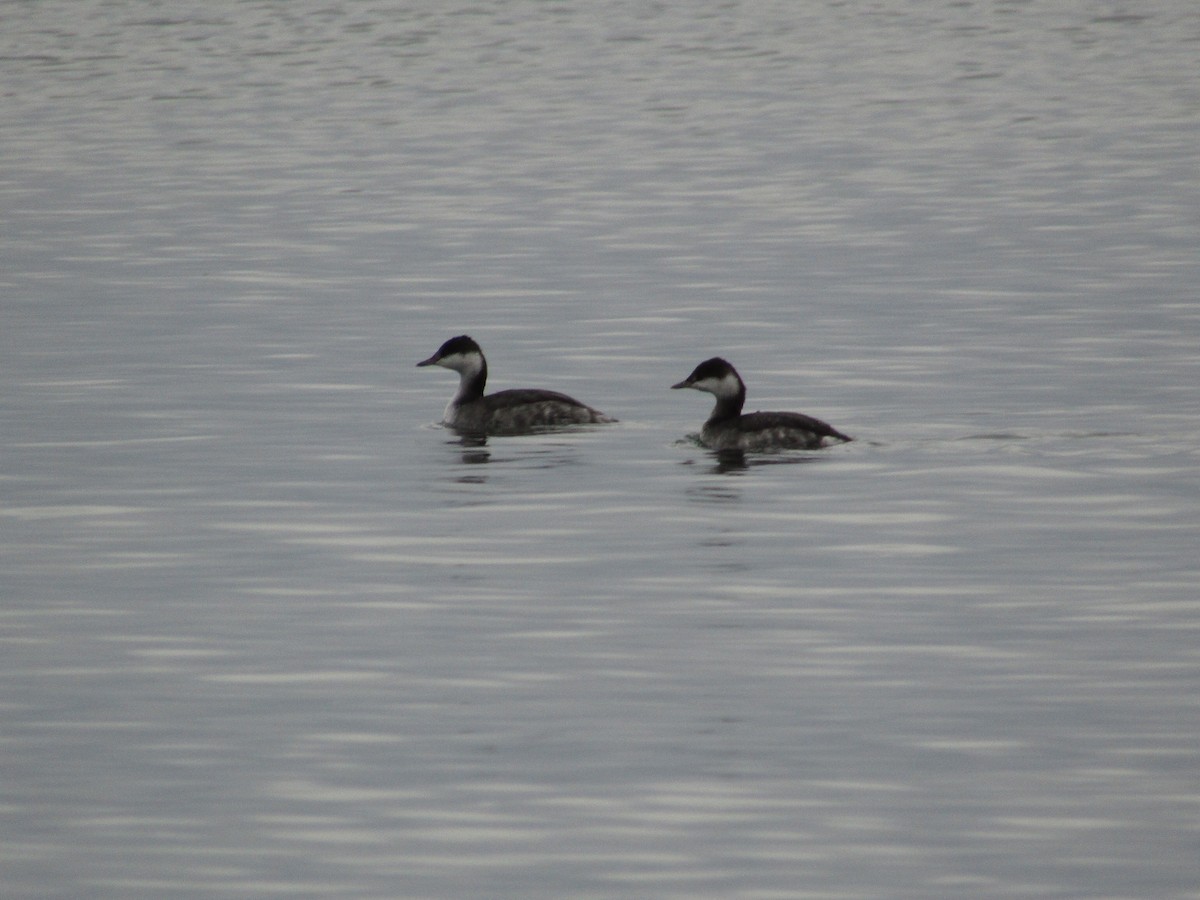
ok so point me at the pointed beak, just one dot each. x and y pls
(427, 362)
(682, 384)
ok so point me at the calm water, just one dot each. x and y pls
(270, 632)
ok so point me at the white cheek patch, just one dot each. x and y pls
(467, 364)
(725, 386)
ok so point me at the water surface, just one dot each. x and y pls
(270, 631)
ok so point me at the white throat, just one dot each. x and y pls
(468, 366)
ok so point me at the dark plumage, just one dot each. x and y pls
(728, 429)
(515, 411)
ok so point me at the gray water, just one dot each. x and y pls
(269, 631)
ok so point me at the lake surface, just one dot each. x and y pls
(269, 631)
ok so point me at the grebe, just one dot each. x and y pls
(728, 429)
(504, 412)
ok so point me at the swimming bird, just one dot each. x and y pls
(728, 428)
(518, 411)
